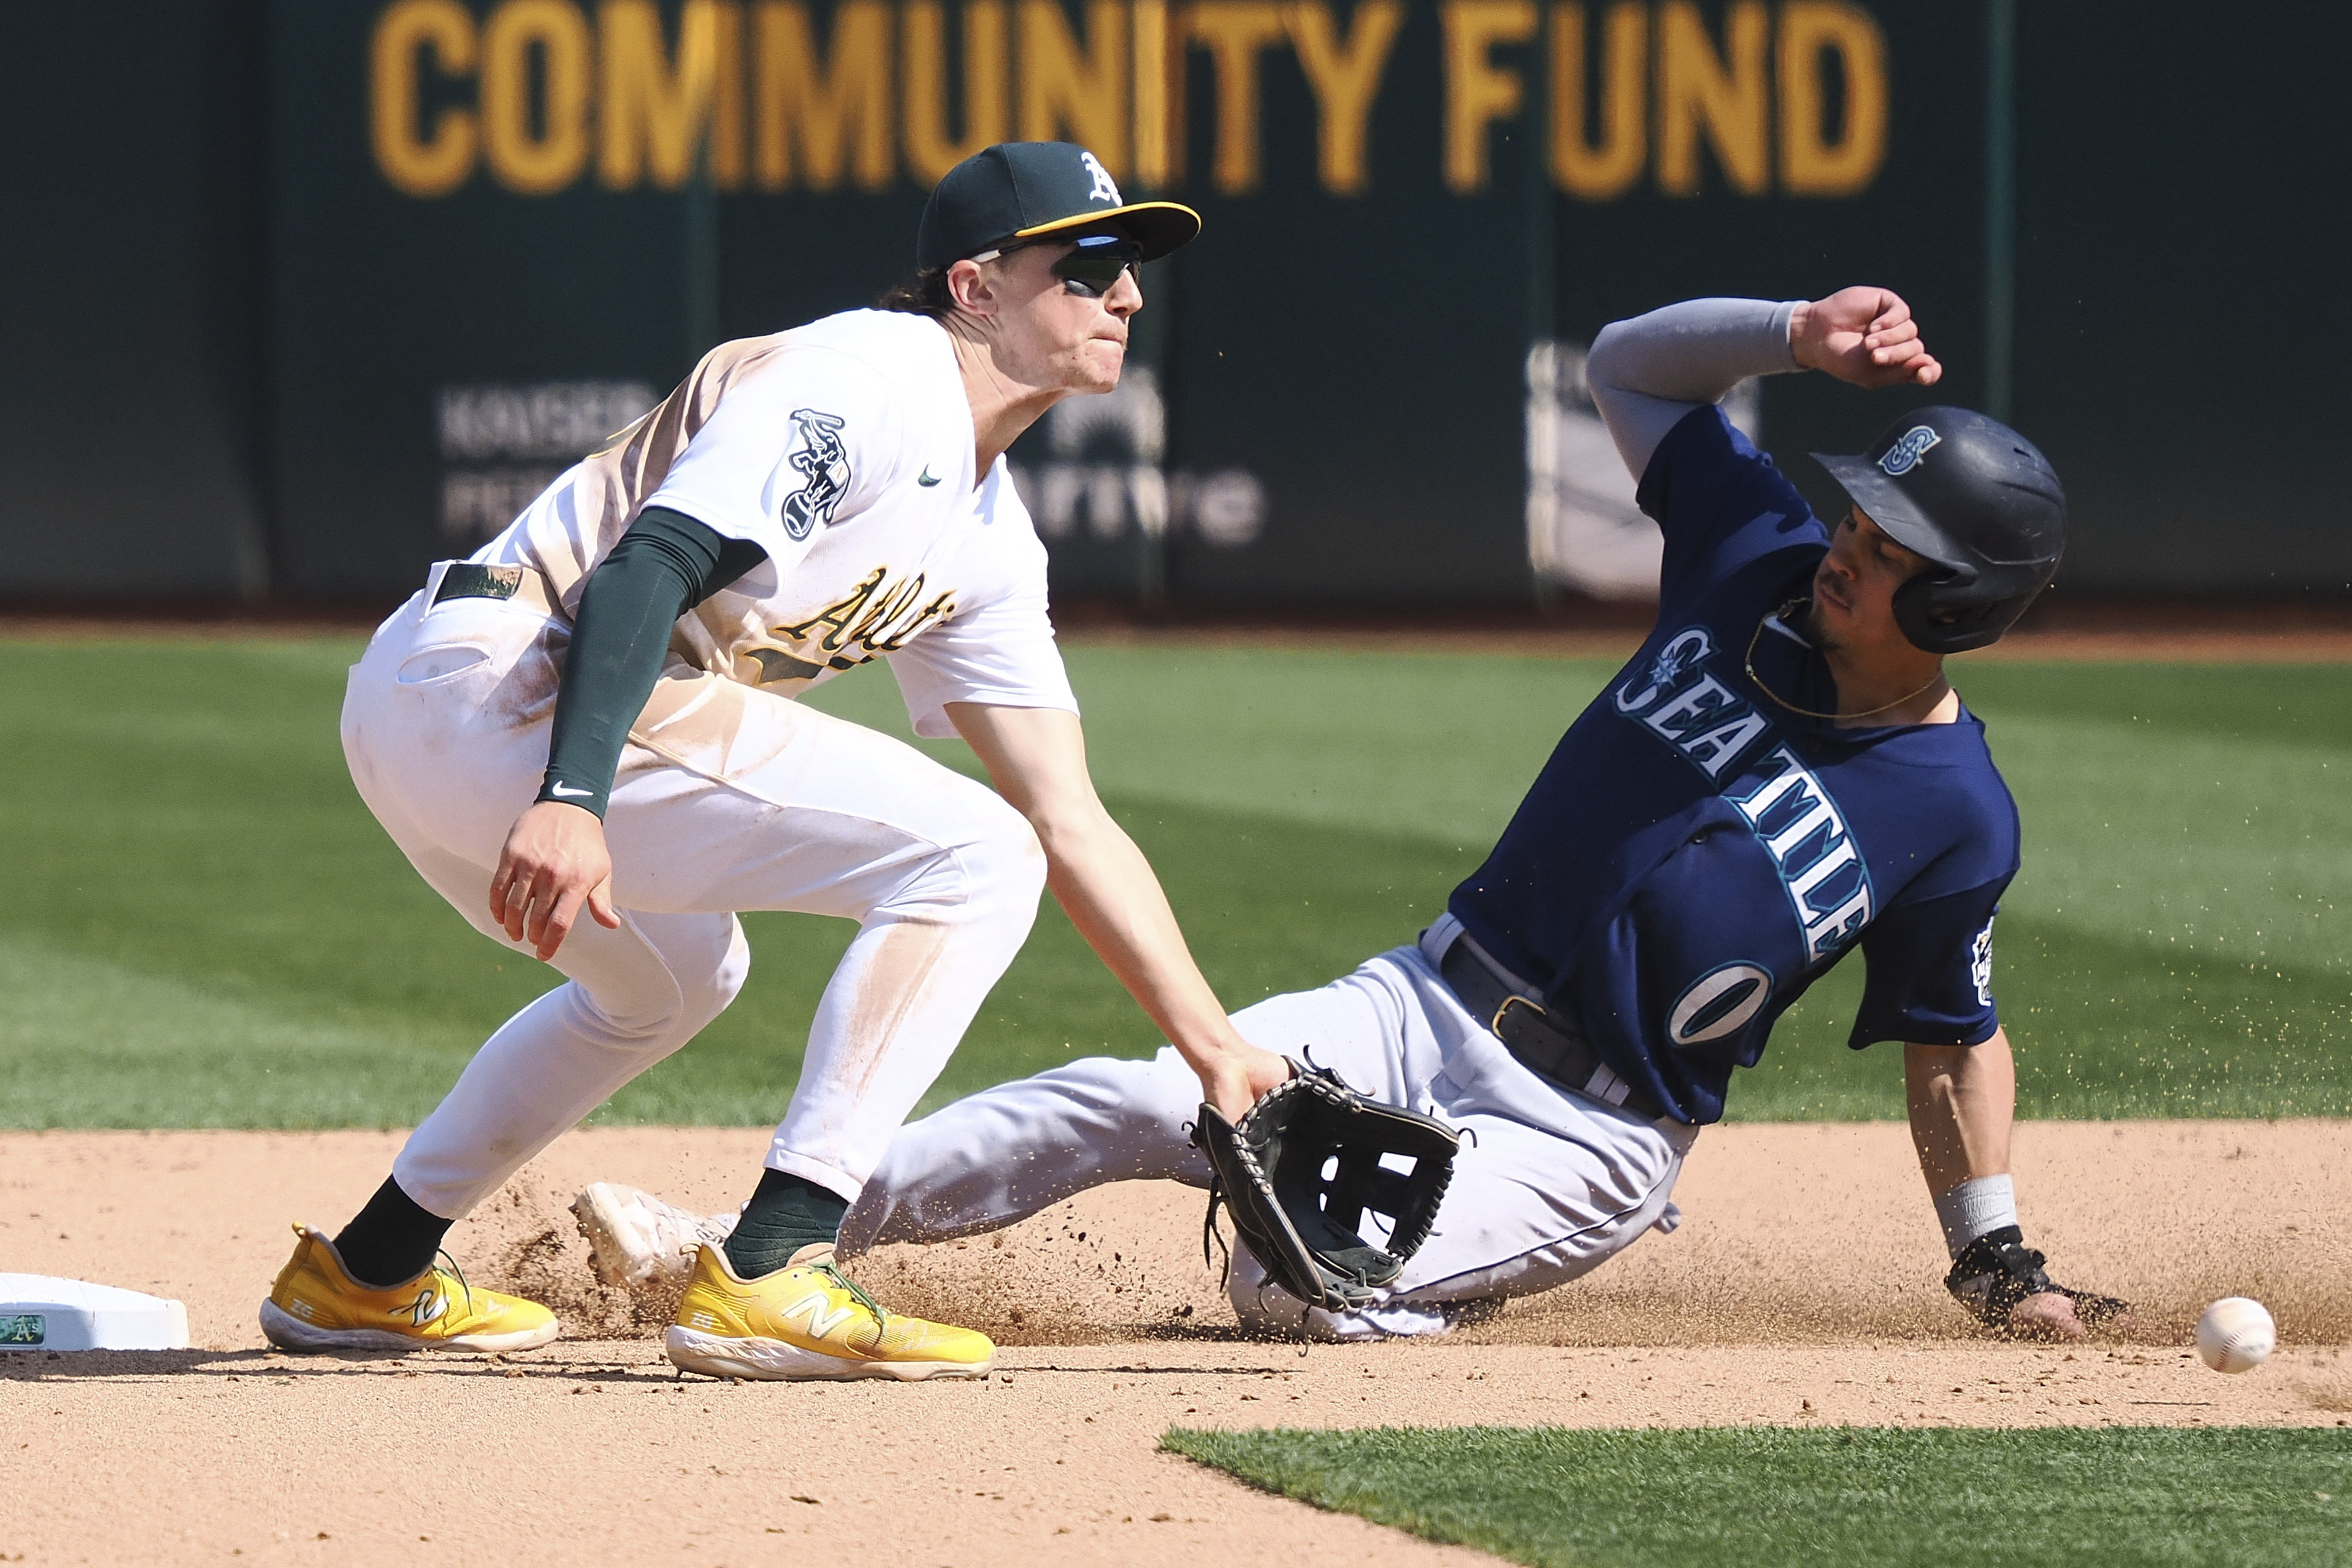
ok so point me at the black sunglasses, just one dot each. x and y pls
(1094, 269)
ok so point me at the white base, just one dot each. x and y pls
(39, 1312)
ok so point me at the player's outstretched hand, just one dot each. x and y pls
(554, 860)
(1864, 336)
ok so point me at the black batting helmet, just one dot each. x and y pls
(1977, 500)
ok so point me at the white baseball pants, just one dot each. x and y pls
(728, 799)
(1548, 1185)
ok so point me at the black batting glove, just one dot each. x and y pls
(1998, 1269)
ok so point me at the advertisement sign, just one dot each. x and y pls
(503, 227)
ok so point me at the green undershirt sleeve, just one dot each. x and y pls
(664, 565)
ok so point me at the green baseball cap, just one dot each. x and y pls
(1020, 191)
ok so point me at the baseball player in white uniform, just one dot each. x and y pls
(596, 713)
(1781, 776)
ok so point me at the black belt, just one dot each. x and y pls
(471, 579)
(465, 580)
(1544, 1042)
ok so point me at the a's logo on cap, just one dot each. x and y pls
(1104, 191)
(1904, 454)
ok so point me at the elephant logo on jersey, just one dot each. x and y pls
(1981, 964)
(1718, 1003)
(823, 463)
(1904, 454)
(1104, 191)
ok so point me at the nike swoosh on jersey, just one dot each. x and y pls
(927, 478)
(564, 792)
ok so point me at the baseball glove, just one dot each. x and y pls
(1998, 1269)
(1297, 1172)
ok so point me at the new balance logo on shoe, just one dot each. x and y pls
(429, 1305)
(821, 1323)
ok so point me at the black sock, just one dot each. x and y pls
(391, 1239)
(785, 1214)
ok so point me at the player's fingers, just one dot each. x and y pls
(507, 882)
(1928, 371)
(516, 903)
(1901, 351)
(1892, 312)
(1882, 338)
(542, 904)
(559, 923)
(600, 905)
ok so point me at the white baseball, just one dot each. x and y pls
(2236, 1334)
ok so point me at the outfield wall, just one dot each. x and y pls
(323, 289)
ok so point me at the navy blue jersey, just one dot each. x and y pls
(1695, 855)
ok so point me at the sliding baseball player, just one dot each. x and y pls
(1781, 777)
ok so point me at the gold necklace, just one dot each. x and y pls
(1812, 713)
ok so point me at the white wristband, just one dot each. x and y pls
(1974, 1209)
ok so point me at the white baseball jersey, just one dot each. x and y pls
(844, 449)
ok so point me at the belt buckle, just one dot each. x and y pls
(1496, 1023)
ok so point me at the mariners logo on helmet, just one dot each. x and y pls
(1904, 454)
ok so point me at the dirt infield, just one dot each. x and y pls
(1800, 1289)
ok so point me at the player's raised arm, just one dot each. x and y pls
(1037, 758)
(1646, 374)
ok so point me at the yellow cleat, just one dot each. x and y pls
(806, 1321)
(317, 1305)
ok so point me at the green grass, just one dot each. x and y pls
(200, 925)
(1776, 1497)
